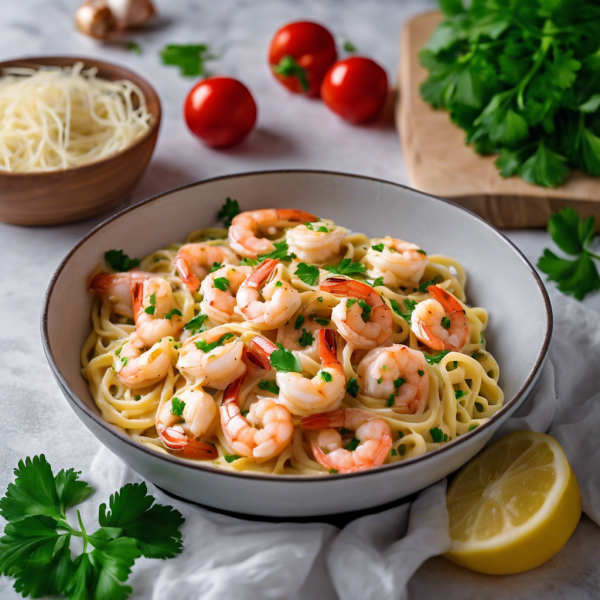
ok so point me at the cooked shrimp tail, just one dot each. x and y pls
(194, 262)
(175, 440)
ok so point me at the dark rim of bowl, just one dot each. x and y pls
(152, 129)
(289, 478)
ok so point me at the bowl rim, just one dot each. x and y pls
(77, 402)
(153, 125)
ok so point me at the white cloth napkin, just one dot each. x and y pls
(373, 556)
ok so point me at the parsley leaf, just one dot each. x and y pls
(320, 228)
(196, 325)
(423, 286)
(120, 262)
(177, 407)
(325, 376)
(299, 320)
(206, 347)
(280, 252)
(352, 387)
(230, 209)
(189, 58)
(353, 444)
(288, 67)
(306, 339)
(322, 322)
(285, 361)
(248, 262)
(216, 266)
(378, 247)
(231, 457)
(308, 273)
(573, 235)
(410, 307)
(433, 359)
(173, 312)
(347, 267)
(268, 386)
(377, 282)
(437, 435)
(221, 283)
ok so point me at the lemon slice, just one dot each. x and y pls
(514, 506)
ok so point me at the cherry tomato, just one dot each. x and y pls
(300, 55)
(355, 88)
(220, 111)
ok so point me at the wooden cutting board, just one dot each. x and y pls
(439, 163)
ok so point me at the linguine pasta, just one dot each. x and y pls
(463, 389)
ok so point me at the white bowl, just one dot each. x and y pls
(499, 279)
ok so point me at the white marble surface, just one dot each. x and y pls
(292, 132)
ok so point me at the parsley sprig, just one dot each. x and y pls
(206, 347)
(35, 549)
(573, 235)
(190, 58)
(285, 361)
(230, 209)
(347, 267)
(119, 261)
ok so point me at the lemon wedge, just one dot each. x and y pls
(514, 506)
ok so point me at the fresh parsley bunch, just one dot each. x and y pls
(573, 235)
(35, 548)
(522, 78)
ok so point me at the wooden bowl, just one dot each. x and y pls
(63, 196)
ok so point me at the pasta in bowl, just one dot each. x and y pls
(287, 344)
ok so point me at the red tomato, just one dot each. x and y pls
(220, 111)
(355, 88)
(300, 55)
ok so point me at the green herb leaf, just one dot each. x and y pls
(378, 247)
(333, 471)
(280, 252)
(216, 266)
(306, 339)
(445, 322)
(377, 282)
(228, 211)
(391, 400)
(347, 267)
(268, 386)
(119, 261)
(177, 407)
(248, 262)
(285, 361)
(232, 457)
(196, 325)
(399, 382)
(299, 321)
(433, 359)
(325, 376)
(206, 347)
(172, 313)
(394, 452)
(133, 47)
(190, 58)
(322, 322)
(423, 286)
(437, 435)
(288, 67)
(150, 310)
(308, 273)
(320, 228)
(421, 373)
(366, 310)
(353, 445)
(473, 426)
(458, 394)
(221, 283)
(352, 387)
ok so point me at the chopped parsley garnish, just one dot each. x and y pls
(423, 286)
(309, 274)
(320, 299)
(321, 228)
(394, 452)
(268, 386)
(153, 299)
(446, 322)
(206, 347)
(150, 310)
(248, 262)
(378, 247)
(377, 282)
(189, 58)
(221, 283)
(278, 284)
(473, 426)
(437, 435)
(35, 549)
(228, 211)
(306, 339)
(124, 360)
(458, 394)
(380, 380)
(353, 444)
(326, 377)
(445, 439)
(177, 407)
(350, 302)
(347, 267)
(288, 67)
(344, 431)
(285, 361)
(120, 262)
(138, 398)
(399, 382)
(401, 449)
(215, 267)
(479, 407)
(196, 325)
(118, 352)
(299, 321)
(366, 309)
(390, 401)
(422, 252)
(322, 322)
(333, 471)
(231, 457)
(421, 373)
(433, 359)
(410, 307)
(352, 387)
(280, 252)
(175, 311)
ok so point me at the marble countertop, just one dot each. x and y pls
(292, 132)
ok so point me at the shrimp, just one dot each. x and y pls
(153, 302)
(136, 369)
(219, 298)
(217, 367)
(373, 433)
(396, 373)
(405, 260)
(280, 300)
(198, 411)
(116, 289)
(245, 227)
(441, 322)
(315, 243)
(194, 261)
(269, 441)
(304, 329)
(303, 396)
(359, 301)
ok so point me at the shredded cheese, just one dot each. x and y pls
(55, 118)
